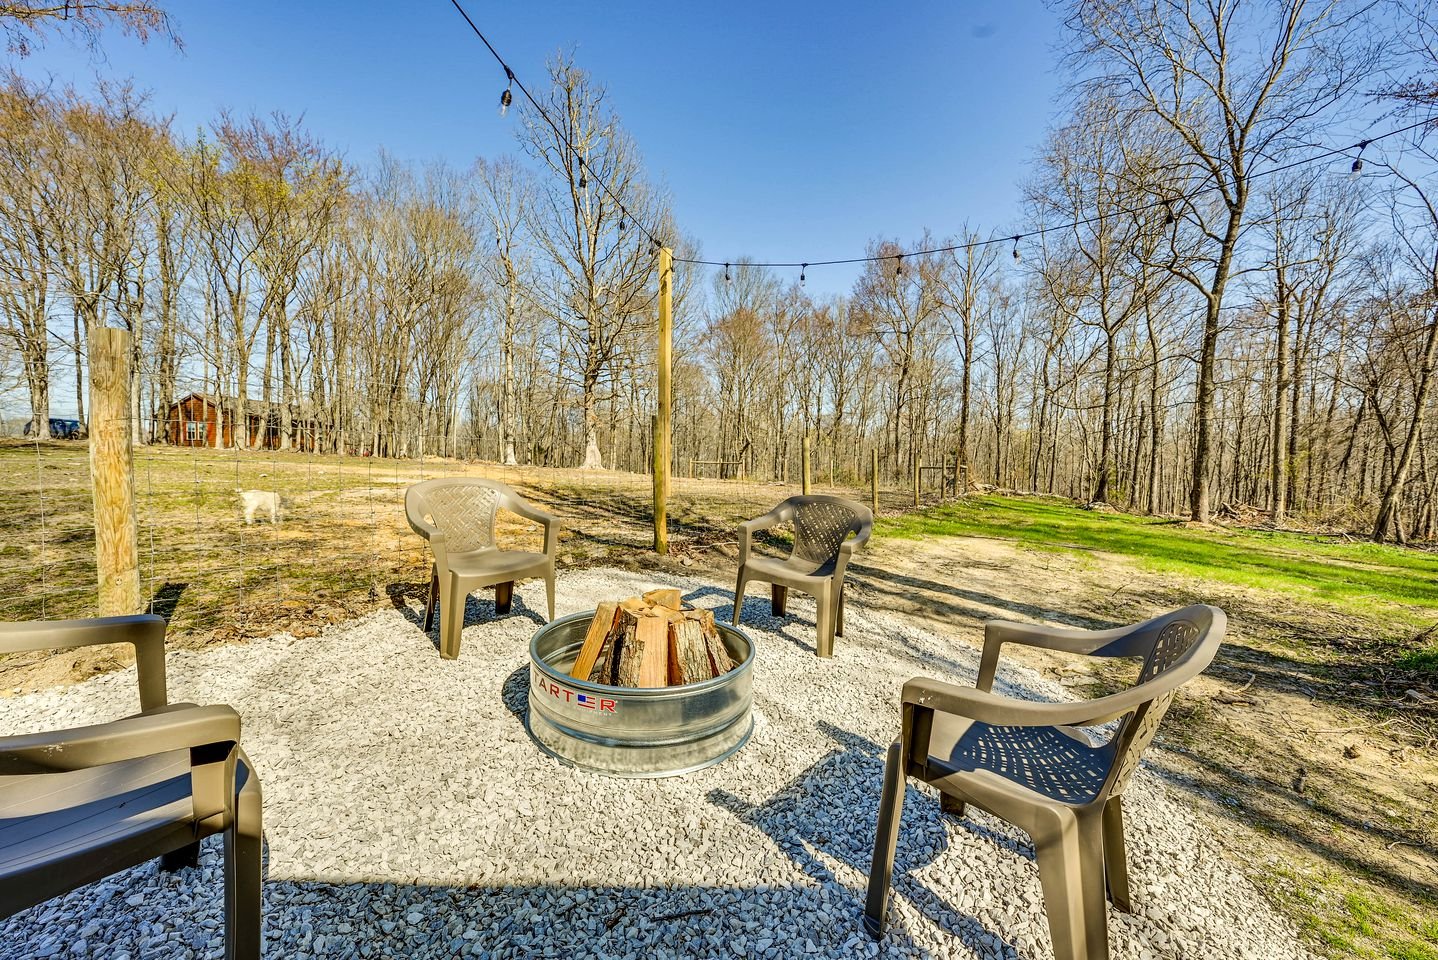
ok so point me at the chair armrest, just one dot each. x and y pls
(547, 520)
(144, 632)
(1062, 639)
(134, 737)
(748, 528)
(996, 710)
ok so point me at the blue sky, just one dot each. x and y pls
(786, 131)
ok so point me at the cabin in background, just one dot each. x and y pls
(203, 420)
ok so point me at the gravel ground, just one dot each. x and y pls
(408, 814)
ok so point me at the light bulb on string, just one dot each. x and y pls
(727, 278)
(898, 266)
(621, 223)
(507, 97)
(803, 270)
(1017, 258)
(582, 181)
(1168, 217)
(1357, 167)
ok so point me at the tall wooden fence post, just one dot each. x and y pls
(804, 466)
(662, 419)
(112, 474)
(874, 481)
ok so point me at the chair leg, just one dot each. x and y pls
(244, 856)
(451, 617)
(824, 646)
(1070, 856)
(1115, 858)
(839, 617)
(431, 600)
(186, 856)
(739, 585)
(549, 593)
(951, 805)
(503, 597)
(886, 839)
(778, 599)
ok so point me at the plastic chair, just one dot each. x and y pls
(456, 516)
(822, 548)
(78, 805)
(1029, 764)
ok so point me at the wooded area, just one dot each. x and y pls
(1208, 334)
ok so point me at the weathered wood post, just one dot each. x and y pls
(112, 474)
(662, 419)
(874, 481)
(804, 466)
(918, 472)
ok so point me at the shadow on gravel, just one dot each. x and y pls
(810, 820)
(756, 612)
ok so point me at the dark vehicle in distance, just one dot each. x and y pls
(60, 429)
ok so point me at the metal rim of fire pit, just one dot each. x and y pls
(635, 732)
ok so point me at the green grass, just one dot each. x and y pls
(1351, 577)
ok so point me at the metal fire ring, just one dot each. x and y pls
(635, 732)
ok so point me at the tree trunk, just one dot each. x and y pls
(1388, 508)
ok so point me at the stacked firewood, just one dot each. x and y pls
(651, 641)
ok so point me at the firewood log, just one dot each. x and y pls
(672, 599)
(689, 655)
(594, 640)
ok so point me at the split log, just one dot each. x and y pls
(594, 640)
(653, 639)
(689, 654)
(672, 599)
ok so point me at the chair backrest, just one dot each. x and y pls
(822, 524)
(462, 508)
(1176, 647)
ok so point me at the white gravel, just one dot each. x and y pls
(408, 814)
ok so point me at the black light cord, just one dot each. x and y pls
(1166, 204)
(586, 172)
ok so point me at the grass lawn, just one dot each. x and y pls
(1355, 577)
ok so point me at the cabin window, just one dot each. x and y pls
(194, 430)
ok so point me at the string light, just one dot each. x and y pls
(507, 97)
(727, 278)
(1166, 203)
(543, 114)
(898, 266)
(803, 269)
(621, 223)
(1358, 160)
(582, 181)
(1168, 218)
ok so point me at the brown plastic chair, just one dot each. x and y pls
(456, 516)
(822, 548)
(1029, 764)
(78, 805)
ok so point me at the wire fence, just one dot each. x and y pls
(239, 536)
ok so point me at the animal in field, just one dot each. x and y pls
(260, 503)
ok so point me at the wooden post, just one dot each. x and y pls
(874, 481)
(918, 472)
(662, 418)
(804, 465)
(112, 474)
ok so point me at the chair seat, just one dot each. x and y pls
(60, 830)
(497, 565)
(1048, 764)
(789, 571)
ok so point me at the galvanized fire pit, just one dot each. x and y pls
(635, 732)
